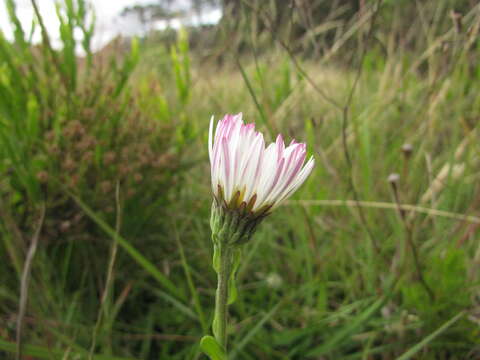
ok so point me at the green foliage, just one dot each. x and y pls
(210, 347)
(181, 66)
(447, 271)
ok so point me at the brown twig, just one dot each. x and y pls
(110, 272)
(268, 24)
(27, 266)
(408, 226)
(167, 337)
(388, 206)
(345, 122)
(344, 109)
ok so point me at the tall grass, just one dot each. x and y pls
(112, 146)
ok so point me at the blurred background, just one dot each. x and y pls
(105, 186)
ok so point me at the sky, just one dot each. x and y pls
(108, 21)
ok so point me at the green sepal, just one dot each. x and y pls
(232, 288)
(212, 348)
(215, 219)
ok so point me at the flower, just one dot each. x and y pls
(248, 178)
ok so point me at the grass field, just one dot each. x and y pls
(105, 194)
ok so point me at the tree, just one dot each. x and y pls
(165, 10)
(149, 14)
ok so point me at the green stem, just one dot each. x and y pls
(221, 299)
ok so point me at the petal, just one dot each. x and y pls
(298, 181)
(225, 170)
(241, 163)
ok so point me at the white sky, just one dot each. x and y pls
(108, 21)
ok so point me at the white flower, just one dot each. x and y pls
(245, 174)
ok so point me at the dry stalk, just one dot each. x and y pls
(27, 266)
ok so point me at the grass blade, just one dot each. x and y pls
(254, 97)
(415, 349)
(246, 339)
(338, 338)
(39, 352)
(134, 253)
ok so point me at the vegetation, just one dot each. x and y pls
(105, 190)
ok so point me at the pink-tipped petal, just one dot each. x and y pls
(240, 163)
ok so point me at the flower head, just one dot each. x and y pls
(249, 178)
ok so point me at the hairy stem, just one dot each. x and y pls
(221, 299)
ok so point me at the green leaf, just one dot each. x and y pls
(135, 52)
(232, 288)
(352, 328)
(415, 349)
(254, 97)
(212, 348)
(147, 265)
(251, 333)
(39, 352)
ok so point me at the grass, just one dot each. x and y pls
(114, 148)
